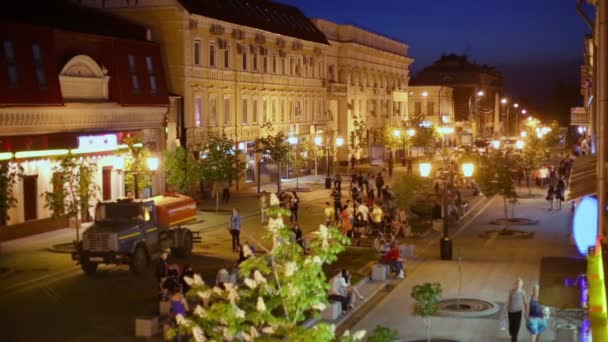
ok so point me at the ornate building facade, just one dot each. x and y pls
(66, 86)
(241, 67)
(368, 76)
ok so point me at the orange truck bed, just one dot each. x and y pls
(174, 209)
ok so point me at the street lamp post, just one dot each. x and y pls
(293, 140)
(445, 245)
(318, 142)
(473, 107)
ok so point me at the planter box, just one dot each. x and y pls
(29, 228)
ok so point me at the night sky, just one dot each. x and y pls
(533, 42)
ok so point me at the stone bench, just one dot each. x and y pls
(380, 272)
(333, 311)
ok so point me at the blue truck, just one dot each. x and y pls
(133, 232)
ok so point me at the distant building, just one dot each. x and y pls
(434, 103)
(69, 82)
(477, 115)
(367, 81)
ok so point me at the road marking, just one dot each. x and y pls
(27, 284)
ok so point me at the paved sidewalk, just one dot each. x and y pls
(490, 267)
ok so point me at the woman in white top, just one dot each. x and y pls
(517, 307)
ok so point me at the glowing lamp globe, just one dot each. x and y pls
(585, 224)
(339, 141)
(152, 163)
(425, 169)
(467, 169)
(318, 141)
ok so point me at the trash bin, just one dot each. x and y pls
(566, 332)
(328, 183)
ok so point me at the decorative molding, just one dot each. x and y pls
(72, 117)
(83, 79)
(217, 29)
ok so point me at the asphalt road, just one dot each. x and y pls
(46, 297)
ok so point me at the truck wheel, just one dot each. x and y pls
(139, 261)
(89, 268)
(186, 248)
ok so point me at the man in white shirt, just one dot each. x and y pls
(364, 210)
(339, 290)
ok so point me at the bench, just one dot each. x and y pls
(333, 311)
(380, 272)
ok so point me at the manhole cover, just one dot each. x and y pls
(467, 307)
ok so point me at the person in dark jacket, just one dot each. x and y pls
(298, 232)
(379, 184)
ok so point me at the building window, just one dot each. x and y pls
(213, 110)
(227, 57)
(245, 112)
(265, 64)
(227, 112)
(198, 121)
(417, 108)
(244, 60)
(265, 111)
(274, 64)
(282, 110)
(254, 113)
(197, 52)
(151, 75)
(430, 108)
(255, 61)
(212, 54)
(290, 116)
(274, 110)
(39, 66)
(292, 65)
(283, 69)
(133, 74)
(11, 64)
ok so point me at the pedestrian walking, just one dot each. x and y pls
(560, 189)
(338, 182)
(516, 308)
(293, 206)
(409, 163)
(346, 220)
(379, 184)
(235, 229)
(298, 233)
(264, 199)
(550, 196)
(337, 197)
(330, 214)
(536, 321)
(226, 191)
(162, 271)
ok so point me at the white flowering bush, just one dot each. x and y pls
(280, 290)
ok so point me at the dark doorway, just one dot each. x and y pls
(106, 183)
(30, 197)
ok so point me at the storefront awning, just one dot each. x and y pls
(583, 178)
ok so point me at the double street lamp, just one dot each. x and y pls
(445, 245)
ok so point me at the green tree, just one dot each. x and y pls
(407, 187)
(273, 147)
(496, 174)
(539, 145)
(425, 134)
(182, 170)
(10, 173)
(220, 163)
(382, 334)
(74, 189)
(427, 303)
(281, 287)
